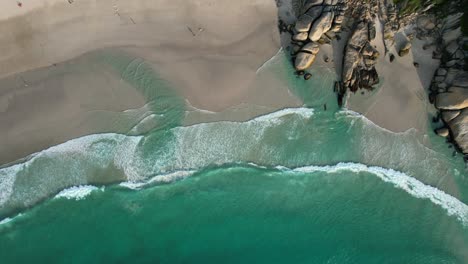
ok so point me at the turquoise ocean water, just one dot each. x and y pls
(299, 185)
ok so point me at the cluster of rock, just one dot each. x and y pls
(360, 58)
(389, 17)
(449, 89)
(318, 17)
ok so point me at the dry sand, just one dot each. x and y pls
(208, 50)
(400, 103)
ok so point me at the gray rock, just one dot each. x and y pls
(455, 99)
(459, 128)
(336, 27)
(442, 72)
(303, 23)
(425, 22)
(452, 47)
(451, 63)
(310, 3)
(312, 47)
(321, 26)
(451, 35)
(448, 116)
(360, 36)
(315, 12)
(304, 61)
(442, 86)
(351, 60)
(461, 79)
(372, 31)
(459, 55)
(443, 132)
(439, 79)
(405, 49)
(339, 19)
(301, 36)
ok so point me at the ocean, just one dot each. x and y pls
(297, 185)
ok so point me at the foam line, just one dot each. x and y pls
(77, 192)
(452, 205)
(163, 178)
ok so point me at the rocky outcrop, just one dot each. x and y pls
(360, 56)
(459, 129)
(455, 98)
(306, 56)
(449, 89)
(405, 49)
(317, 18)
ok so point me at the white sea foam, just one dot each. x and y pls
(163, 178)
(9, 220)
(196, 147)
(417, 189)
(275, 117)
(5, 221)
(348, 112)
(77, 192)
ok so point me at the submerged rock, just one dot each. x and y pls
(307, 76)
(443, 132)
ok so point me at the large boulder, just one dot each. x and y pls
(351, 60)
(443, 132)
(310, 3)
(311, 47)
(448, 116)
(321, 26)
(359, 37)
(459, 128)
(455, 99)
(405, 49)
(303, 23)
(304, 60)
(301, 36)
(461, 79)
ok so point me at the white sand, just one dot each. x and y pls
(401, 102)
(214, 70)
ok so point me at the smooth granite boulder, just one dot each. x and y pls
(449, 115)
(459, 128)
(321, 26)
(461, 79)
(304, 61)
(455, 99)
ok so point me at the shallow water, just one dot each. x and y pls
(296, 185)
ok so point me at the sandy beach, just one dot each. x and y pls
(400, 102)
(208, 51)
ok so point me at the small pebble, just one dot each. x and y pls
(307, 76)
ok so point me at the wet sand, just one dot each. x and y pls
(208, 51)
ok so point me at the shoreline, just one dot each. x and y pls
(216, 69)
